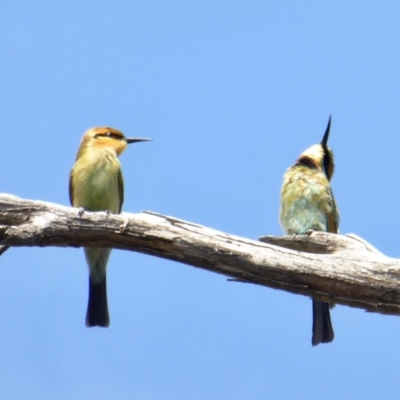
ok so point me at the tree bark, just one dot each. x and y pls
(332, 268)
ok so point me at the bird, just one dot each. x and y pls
(308, 204)
(96, 184)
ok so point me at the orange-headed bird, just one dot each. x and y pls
(307, 203)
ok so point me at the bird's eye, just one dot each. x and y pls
(109, 134)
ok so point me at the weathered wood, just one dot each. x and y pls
(333, 268)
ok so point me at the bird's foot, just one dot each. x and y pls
(124, 224)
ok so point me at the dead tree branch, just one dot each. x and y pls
(338, 269)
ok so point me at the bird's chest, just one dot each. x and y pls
(99, 186)
(306, 203)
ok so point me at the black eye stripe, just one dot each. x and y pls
(110, 135)
(327, 162)
(307, 162)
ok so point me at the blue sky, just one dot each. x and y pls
(231, 92)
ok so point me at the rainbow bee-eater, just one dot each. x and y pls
(96, 184)
(307, 203)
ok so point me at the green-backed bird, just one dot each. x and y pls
(96, 184)
(307, 203)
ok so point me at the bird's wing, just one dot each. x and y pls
(71, 191)
(333, 217)
(120, 189)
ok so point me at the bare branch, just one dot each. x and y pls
(3, 249)
(333, 268)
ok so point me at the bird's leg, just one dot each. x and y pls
(123, 226)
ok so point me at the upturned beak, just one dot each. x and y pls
(324, 141)
(136, 140)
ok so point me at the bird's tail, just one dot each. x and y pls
(97, 310)
(322, 331)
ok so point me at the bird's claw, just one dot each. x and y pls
(123, 226)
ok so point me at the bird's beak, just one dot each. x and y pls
(326, 135)
(135, 140)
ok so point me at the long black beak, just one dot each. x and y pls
(326, 134)
(136, 140)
